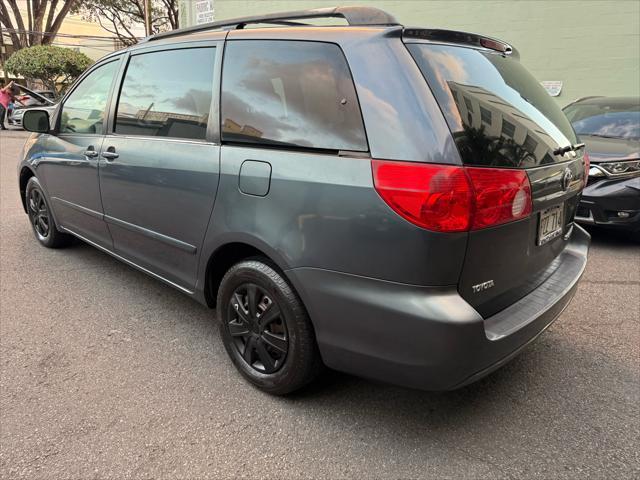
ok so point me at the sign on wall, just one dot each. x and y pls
(553, 87)
(203, 11)
(195, 12)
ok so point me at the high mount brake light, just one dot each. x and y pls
(447, 198)
(495, 45)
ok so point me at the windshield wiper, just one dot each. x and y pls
(599, 135)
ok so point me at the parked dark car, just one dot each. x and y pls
(392, 202)
(610, 127)
(41, 99)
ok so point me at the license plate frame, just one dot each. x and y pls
(550, 223)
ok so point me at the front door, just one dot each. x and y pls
(158, 167)
(69, 170)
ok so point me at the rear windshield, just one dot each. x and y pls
(498, 113)
(609, 121)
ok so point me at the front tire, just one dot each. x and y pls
(42, 222)
(265, 329)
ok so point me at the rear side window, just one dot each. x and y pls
(498, 113)
(290, 93)
(167, 94)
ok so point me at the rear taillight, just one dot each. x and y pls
(587, 166)
(447, 198)
(435, 197)
(500, 195)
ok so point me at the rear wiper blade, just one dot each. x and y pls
(568, 148)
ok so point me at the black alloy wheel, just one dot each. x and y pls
(259, 332)
(39, 214)
(41, 219)
(265, 328)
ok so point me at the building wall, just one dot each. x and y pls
(92, 47)
(593, 46)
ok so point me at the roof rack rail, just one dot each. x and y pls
(353, 15)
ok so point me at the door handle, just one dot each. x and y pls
(90, 152)
(110, 154)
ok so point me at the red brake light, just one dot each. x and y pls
(435, 197)
(448, 198)
(501, 196)
(587, 166)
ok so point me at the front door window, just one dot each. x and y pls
(84, 110)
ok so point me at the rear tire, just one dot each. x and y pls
(265, 328)
(42, 222)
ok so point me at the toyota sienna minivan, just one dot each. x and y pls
(392, 202)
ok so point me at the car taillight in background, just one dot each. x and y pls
(446, 198)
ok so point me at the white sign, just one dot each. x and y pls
(553, 87)
(204, 11)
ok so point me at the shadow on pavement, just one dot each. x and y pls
(613, 238)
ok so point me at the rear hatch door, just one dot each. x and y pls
(501, 118)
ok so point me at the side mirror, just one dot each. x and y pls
(36, 121)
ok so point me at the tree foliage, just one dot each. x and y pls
(124, 17)
(53, 65)
(40, 24)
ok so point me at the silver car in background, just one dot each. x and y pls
(44, 100)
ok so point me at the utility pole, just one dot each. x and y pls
(147, 17)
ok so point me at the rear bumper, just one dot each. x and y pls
(427, 337)
(602, 201)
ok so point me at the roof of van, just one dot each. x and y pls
(366, 21)
(354, 16)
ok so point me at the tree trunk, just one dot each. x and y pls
(37, 10)
(6, 21)
(55, 26)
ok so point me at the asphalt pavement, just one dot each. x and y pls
(107, 373)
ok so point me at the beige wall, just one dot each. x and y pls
(76, 25)
(94, 48)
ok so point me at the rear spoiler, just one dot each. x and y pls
(34, 94)
(460, 38)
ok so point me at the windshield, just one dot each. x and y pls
(498, 112)
(620, 121)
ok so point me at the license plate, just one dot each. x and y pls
(550, 225)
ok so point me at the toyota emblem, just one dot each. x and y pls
(567, 176)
